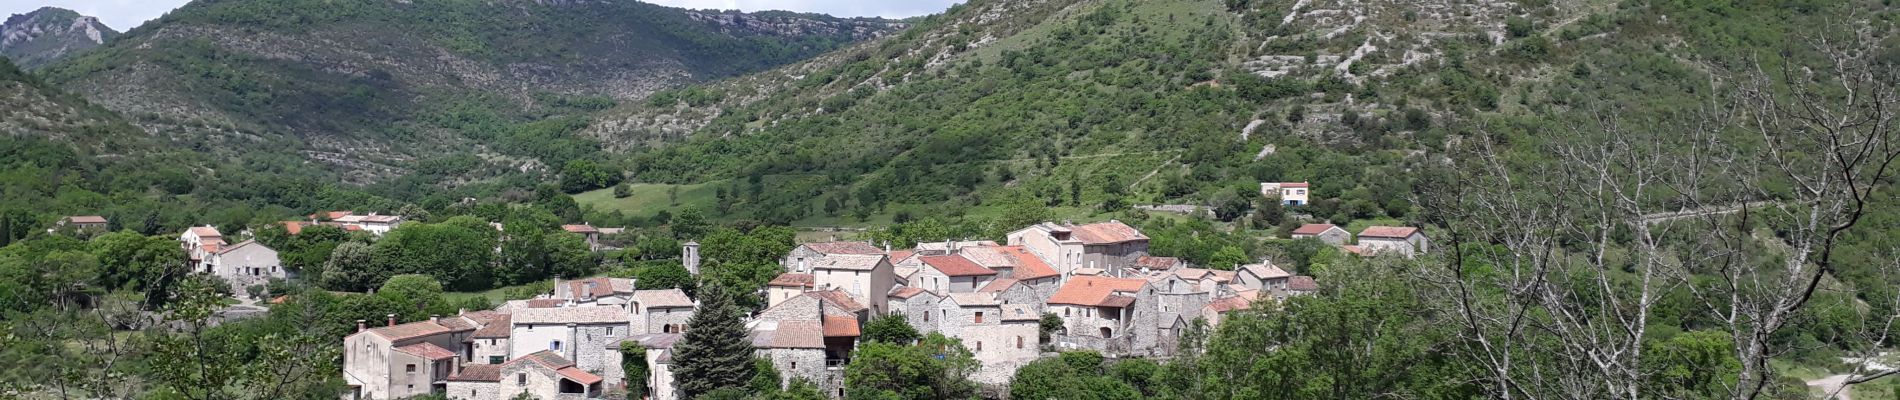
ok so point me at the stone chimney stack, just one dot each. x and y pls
(689, 257)
(887, 246)
(392, 320)
(362, 325)
(572, 341)
(435, 319)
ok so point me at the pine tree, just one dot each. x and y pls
(715, 352)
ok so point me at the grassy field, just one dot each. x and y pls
(650, 198)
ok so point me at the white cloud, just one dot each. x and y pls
(126, 14)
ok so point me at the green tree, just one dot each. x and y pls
(455, 252)
(715, 352)
(937, 367)
(890, 329)
(633, 360)
(419, 296)
(352, 268)
(664, 275)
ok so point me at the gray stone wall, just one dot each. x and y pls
(484, 349)
(920, 312)
(474, 391)
(798, 308)
(958, 319)
(808, 364)
(655, 320)
(592, 345)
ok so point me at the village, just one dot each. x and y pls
(1095, 284)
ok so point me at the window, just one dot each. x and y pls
(497, 359)
(521, 379)
(979, 317)
(979, 346)
(1019, 342)
(411, 368)
(554, 345)
(926, 317)
(794, 365)
(1065, 311)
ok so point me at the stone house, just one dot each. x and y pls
(1002, 337)
(1153, 263)
(867, 277)
(799, 260)
(1216, 311)
(489, 344)
(951, 274)
(917, 306)
(660, 311)
(1117, 316)
(1403, 241)
(400, 360)
(1300, 285)
(949, 247)
(542, 375)
(588, 233)
(1108, 246)
(595, 291)
(1328, 233)
(1262, 276)
(475, 382)
(811, 337)
(81, 223)
(200, 243)
(788, 285)
(659, 377)
(581, 334)
(1289, 193)
(245, 264)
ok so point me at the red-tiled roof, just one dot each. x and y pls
(1161, 263)
(997, 285)
(1301, 283)
(844, 248)
(906, 292)
(838, 298)
(953, 265)
(1392, 232)
(793, 280)
(86, 219)
(496, 328)
(478, 373)
(840, 327)
(1028, 266)
(1106, 233)
(1313, 229)
(426, 350)
(580, 228)
(1295, 185)
(410, 330)
(578, 376)
(900, 255)
(352, 228)
(231, 248)
(1265, 271)
(293, 227)
(851, 262)
(544, 303)
(662, 298)
(205, 231)
(1093, 290)
(545, 358)
(331, 215)
(1230, 304)
(792, 334)
(603, 287)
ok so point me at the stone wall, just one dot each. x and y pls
(920, 311)
(655, 320)
(597, 350)
(485, 348)
(808, 364)
(458, 390)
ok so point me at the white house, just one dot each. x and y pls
(1403, 241)
(245, 264)
(1290, 193)
(1328, 233)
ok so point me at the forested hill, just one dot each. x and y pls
(1104, 103)
(50, 34)
(368, 86)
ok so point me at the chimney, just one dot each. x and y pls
(435, 319)
(590, 290)
(362, 325)
(392, 320)
(887, 246)
(572, 342)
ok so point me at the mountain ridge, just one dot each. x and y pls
(50, 34)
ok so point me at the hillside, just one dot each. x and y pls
(48, 35)
(31, 108)
(1108, 103)
(366, 87)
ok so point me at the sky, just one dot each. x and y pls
(126, 14)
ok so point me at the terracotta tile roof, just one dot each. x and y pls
(578, 376)
(205, 231)
(1118, 302)
(832, 248)
(1094, 290)
(839, 299)
(1390, 232)
(1020, 312)
(956, 266)
(900, 255)
(906, 292)
(331, 215)
(1107, 232)
(904, 273)
(1353, 249)
(1265, 271)
(944, 247)
(497, 328)
(458, 324)
(988, 256)
(580, 228)
(1160, 263)
(1089, 271)
(293, 227)
(410, 330)
(853, 262)
(86, 219)
(603, 286)
(1301, 283)
(792, 334)
(840, 327)
(352, 228)
(352, 218)
(544, 303)
(545, 358)
(1224, 276)
(577, 315)
(1194, 274)
(1230, 304)
(997, 285)
(426, 350)
(382, 218)
(231, 248)
(658, 340)
(793, 280)
(1028, 266)
(478, 373)
(662, 298)
(1313, 229)
(975, 299)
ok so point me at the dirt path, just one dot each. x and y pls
(1833, 387)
